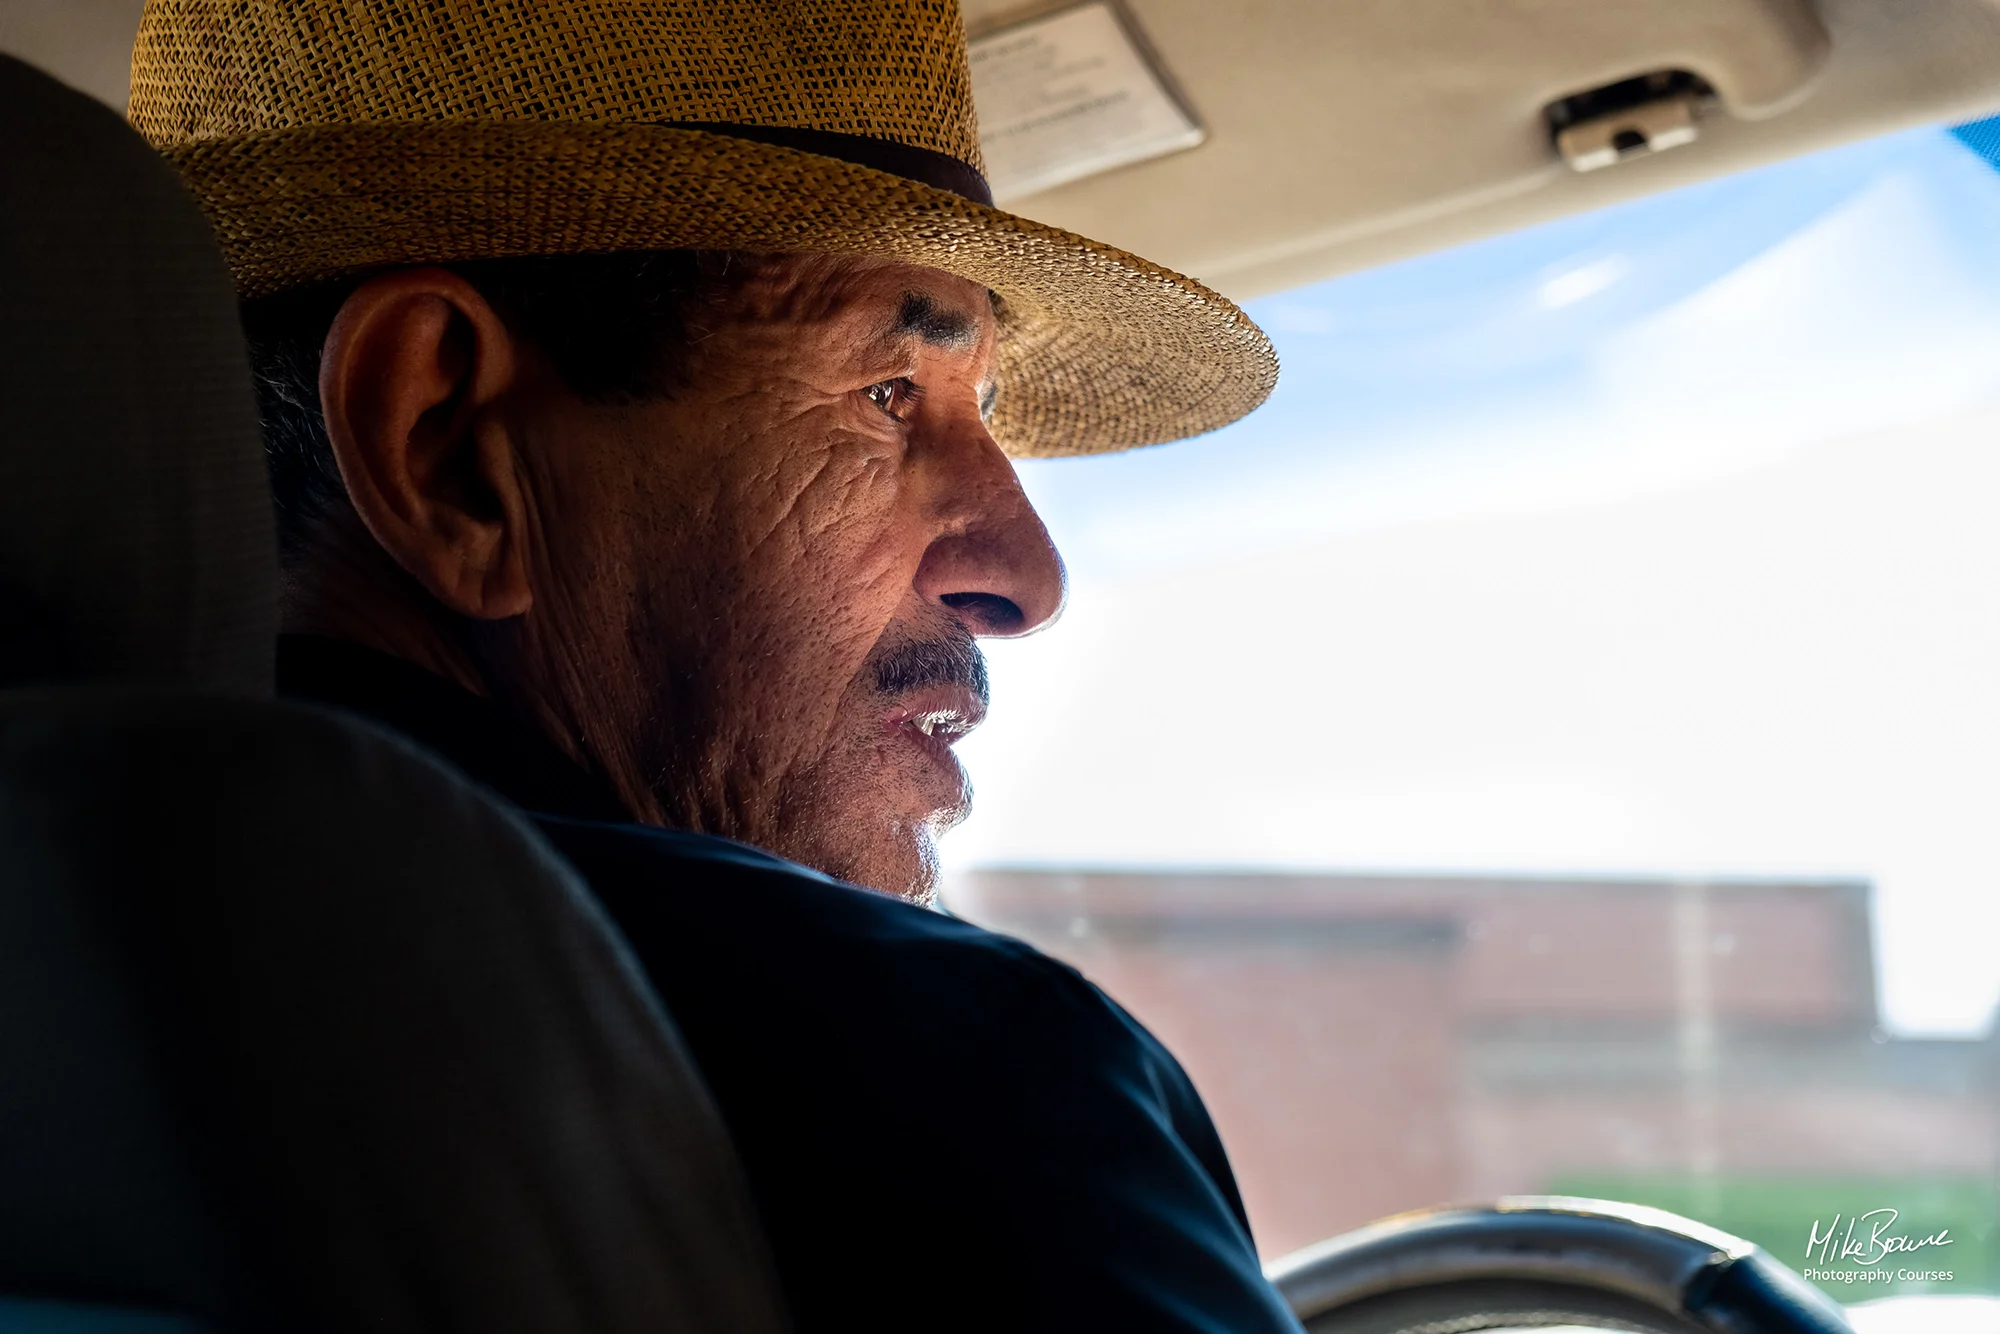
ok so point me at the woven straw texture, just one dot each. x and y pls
(326, 138)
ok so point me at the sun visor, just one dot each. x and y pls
(1255, 144)
(1072, 93)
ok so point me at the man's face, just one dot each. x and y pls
(755, 601)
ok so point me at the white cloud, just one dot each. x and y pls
(1580, 282)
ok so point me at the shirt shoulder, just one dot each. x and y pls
(907, 1063)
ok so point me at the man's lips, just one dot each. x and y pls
(937, 715)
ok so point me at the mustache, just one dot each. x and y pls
(953, 660)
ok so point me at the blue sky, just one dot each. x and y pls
(1656, 540)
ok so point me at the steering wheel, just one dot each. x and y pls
(1545, 1261)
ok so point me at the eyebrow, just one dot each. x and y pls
(937, 325)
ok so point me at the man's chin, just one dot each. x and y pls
(908, 870)
(868, 828)
(904, 863)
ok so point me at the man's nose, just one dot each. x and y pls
(994, 564)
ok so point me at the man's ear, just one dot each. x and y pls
(412, 380)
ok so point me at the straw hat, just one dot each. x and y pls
(326, 138)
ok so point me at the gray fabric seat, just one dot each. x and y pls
(298, 1028)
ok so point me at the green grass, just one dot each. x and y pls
(1777, 1212)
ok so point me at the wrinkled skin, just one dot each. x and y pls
(751, 605)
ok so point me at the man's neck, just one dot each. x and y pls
(350, 589)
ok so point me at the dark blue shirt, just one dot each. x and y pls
(943, 1128)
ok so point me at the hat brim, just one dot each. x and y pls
(1099, 350)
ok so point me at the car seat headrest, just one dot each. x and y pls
(135, 514)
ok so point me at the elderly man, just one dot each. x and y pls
(636, 375)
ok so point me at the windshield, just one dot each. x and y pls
(1553, 746)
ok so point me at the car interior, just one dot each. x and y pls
(463, 1108)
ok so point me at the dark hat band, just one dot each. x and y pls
(925, 166)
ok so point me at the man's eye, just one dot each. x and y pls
(893, 396)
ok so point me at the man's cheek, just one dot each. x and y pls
(859, 576)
